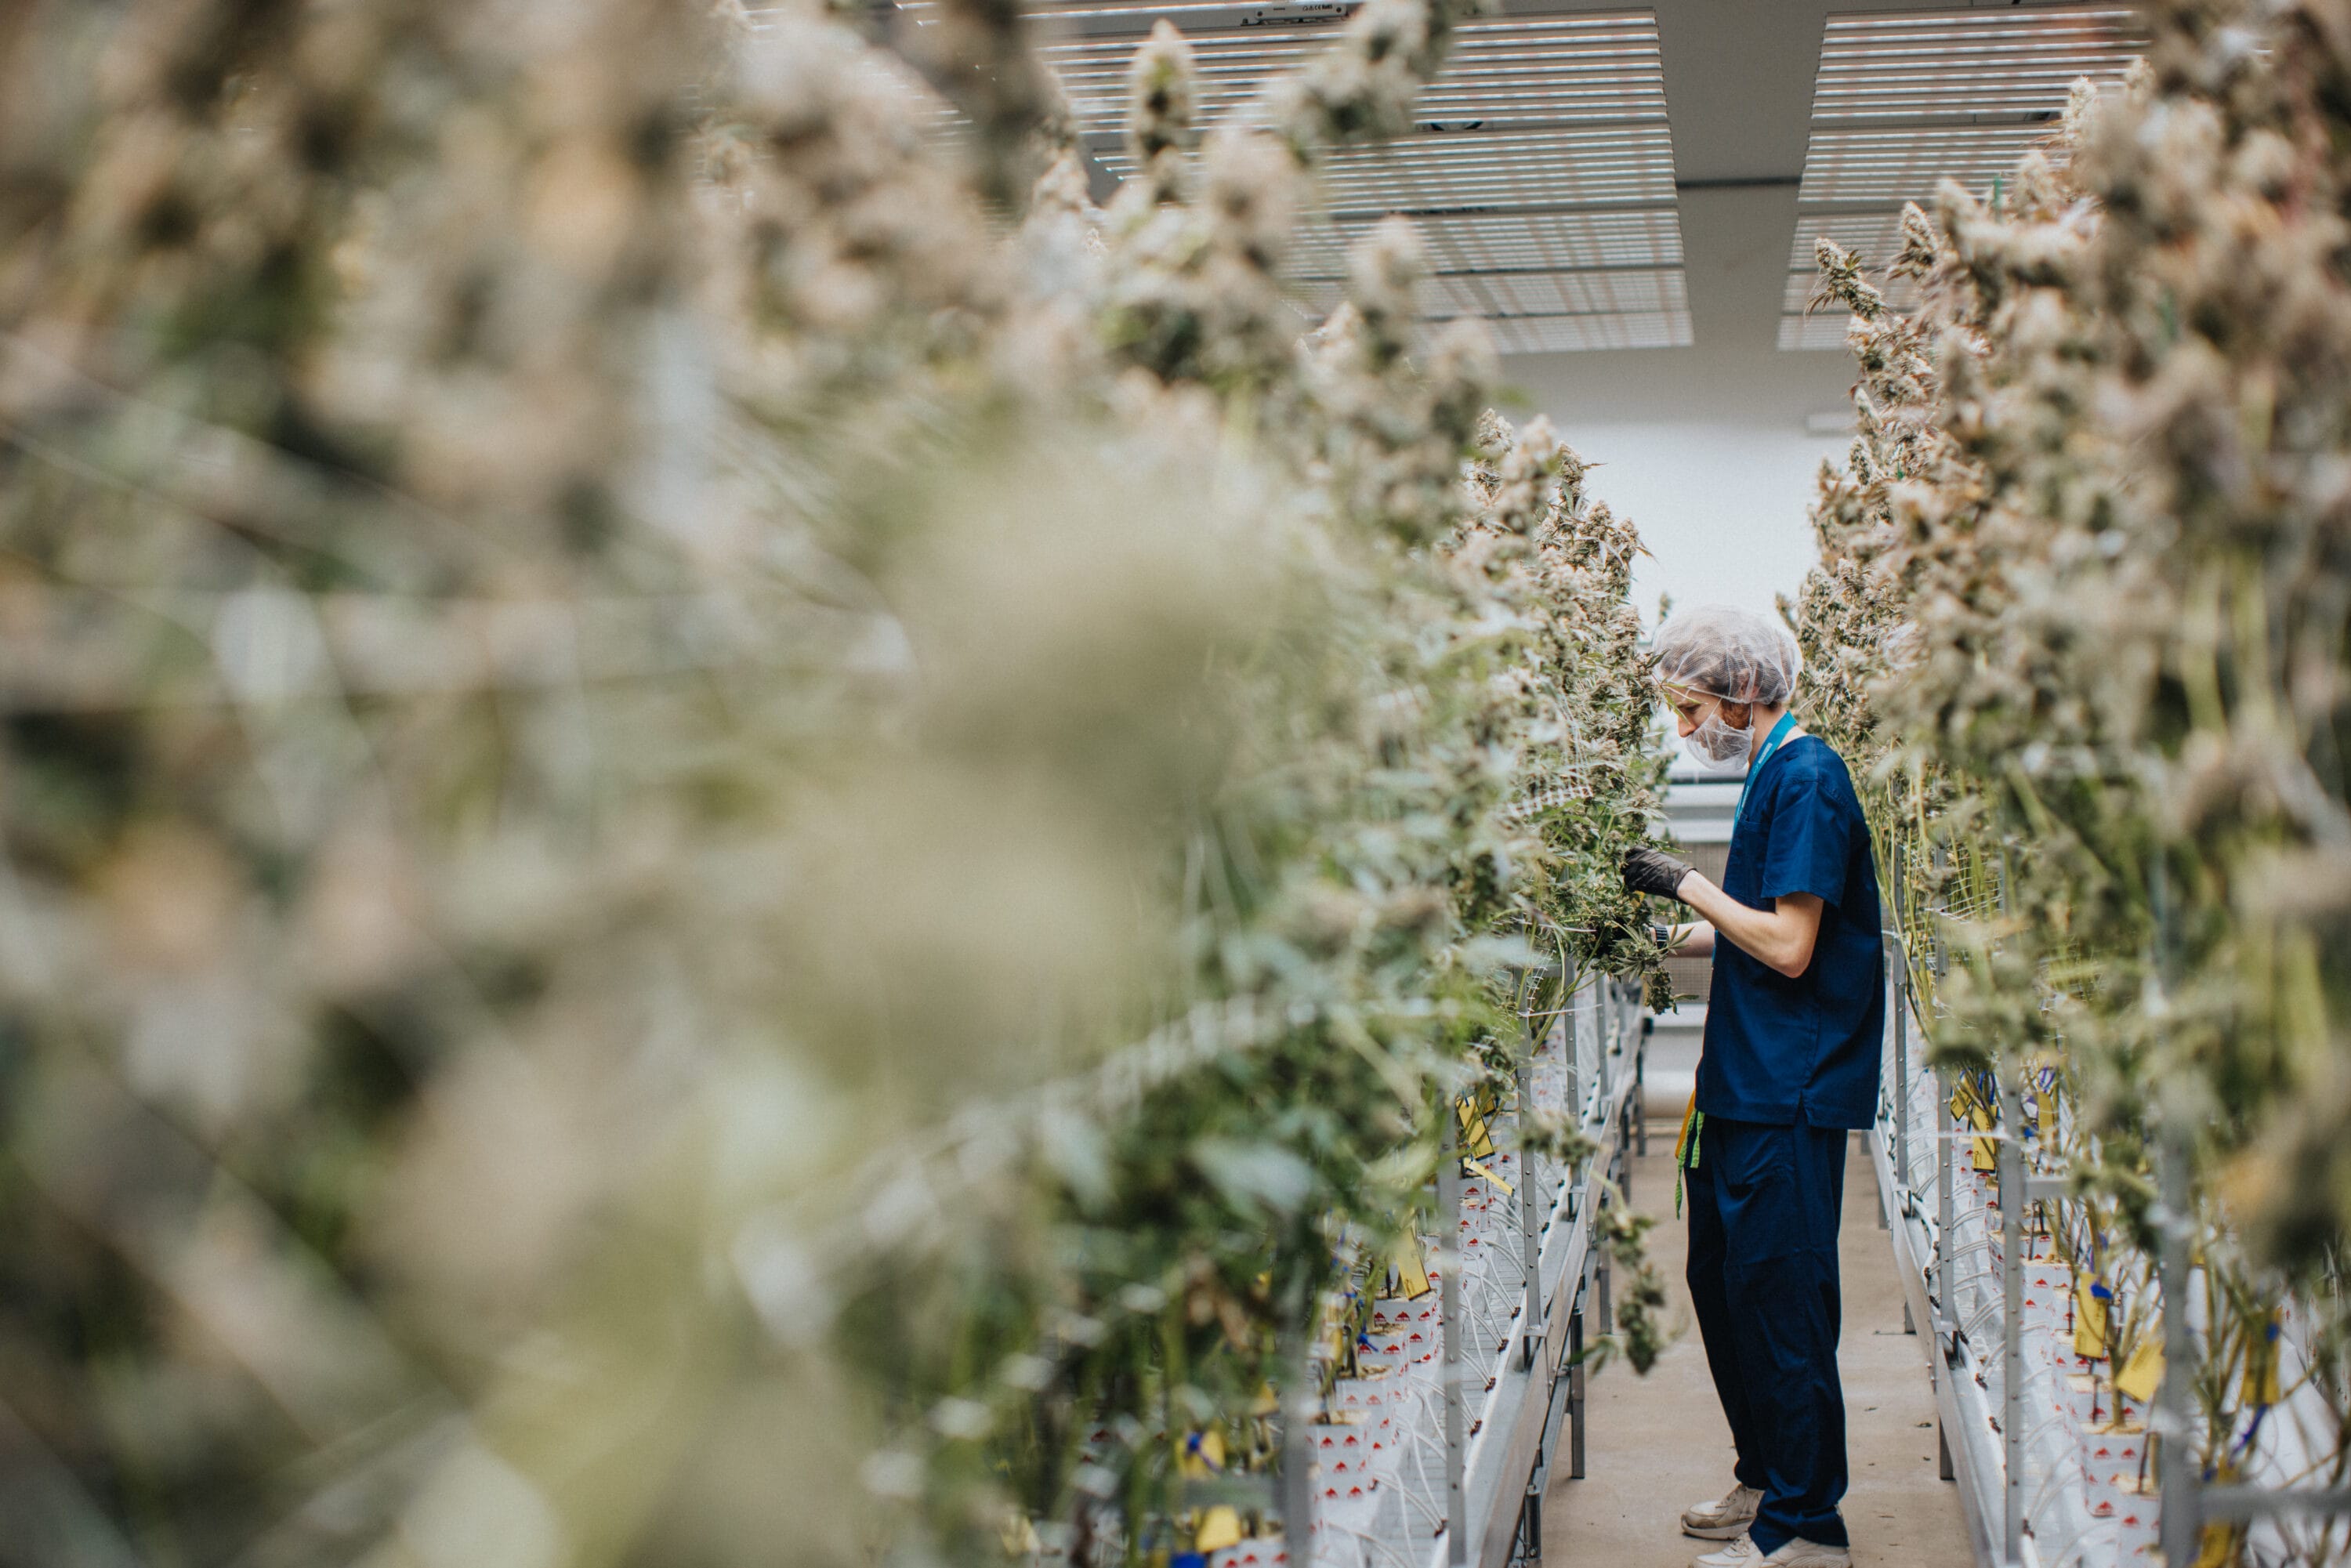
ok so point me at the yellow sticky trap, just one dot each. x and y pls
(1202, 1455)
(1987, 1150)
(2217, 1548)
(2089, 1319)
(1219, 1527)
(1505, 1188)
(1412, 1270)
(2142, 1373)
(2260, 1385)
(1476, 1140)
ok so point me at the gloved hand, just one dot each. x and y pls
(1654, 871)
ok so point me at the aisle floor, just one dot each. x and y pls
(1658, 1443)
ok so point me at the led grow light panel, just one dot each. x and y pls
(1892, 166)
(1555, 69)
(1540, 177)
(1576, 334)
(1875, 237)
(2006, 63)
(1521, 240)
(1823, 331)
(1439, 172)
(1492, 296)
(1904, 101)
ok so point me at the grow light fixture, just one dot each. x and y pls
(1902, 100)
(1540, 175)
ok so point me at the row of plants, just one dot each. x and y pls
(2081, 620)
(724, 824)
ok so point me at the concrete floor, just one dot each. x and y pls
(1658, 1443)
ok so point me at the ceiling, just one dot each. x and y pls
(1902, 100)
(1540, 175)
(1559, 196)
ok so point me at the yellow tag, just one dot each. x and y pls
(1219, 1527)
(1488, 1172)
(2261, 1365)
(2142, 1373)
(2217, 1548)
(1689, 1115)
(1987, 1150)
(1412, 1270)
(1204, 1459)
(2089, 1322)
(1475, 1138)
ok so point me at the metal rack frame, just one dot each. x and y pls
(1991, 1460)
(1501, 1443)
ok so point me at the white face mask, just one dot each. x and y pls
(1714, 745)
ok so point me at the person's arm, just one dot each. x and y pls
(1689, 939)
(1780, 937)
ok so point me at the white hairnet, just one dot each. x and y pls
(1734, 654)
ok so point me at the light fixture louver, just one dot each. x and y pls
(1904, 100)
(1540, 175)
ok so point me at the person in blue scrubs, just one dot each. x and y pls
(1793, 1026)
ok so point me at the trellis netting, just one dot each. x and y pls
(726, 827)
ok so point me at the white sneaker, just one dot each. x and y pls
(1725, 1516)
(1808, 1554)
(1739, 1553)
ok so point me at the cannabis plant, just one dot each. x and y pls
(2077, 599)
(728, 829)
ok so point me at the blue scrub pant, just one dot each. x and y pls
(1763, 1208)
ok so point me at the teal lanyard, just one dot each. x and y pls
(1771, 743)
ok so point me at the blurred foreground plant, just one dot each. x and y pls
(707, 852)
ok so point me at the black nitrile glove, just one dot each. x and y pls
(1654, 871)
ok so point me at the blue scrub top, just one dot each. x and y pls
(1807, 1050)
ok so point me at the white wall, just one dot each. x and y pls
(1723, 508)
(1704, 448)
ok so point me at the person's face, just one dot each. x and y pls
(1692, 708)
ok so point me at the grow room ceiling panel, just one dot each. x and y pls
(1540, 172)
(1555, 68)
(1902, 100)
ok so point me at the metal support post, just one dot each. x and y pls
(2012, 1327)
(1527, 1547)
(1625, 1136)
(2175, 1473)
(1600, 1271)
(1530, 1318)
(1448, 1252)
(1297, 1493)
(1901, 972)
(1575, 1386)
(1607, 1005)
(1946, 1163)
(1573, 1057)
(1640, 1090)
